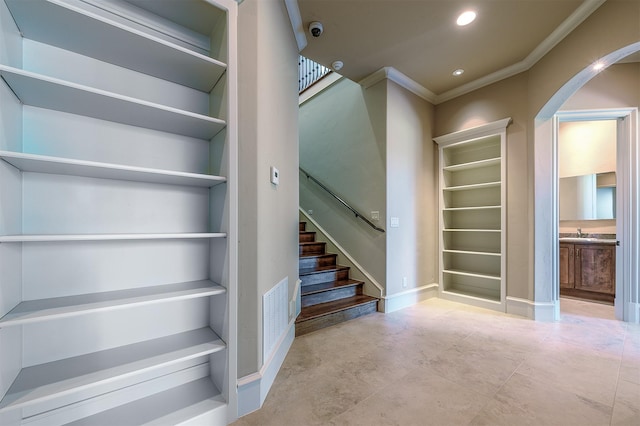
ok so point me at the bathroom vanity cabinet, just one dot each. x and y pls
(588, 270)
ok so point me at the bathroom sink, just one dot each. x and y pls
(587, 240)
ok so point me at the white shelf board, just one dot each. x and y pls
(66, 166)
(484, 295)
(473, 164)
(173, 406)
(471, 274)
(458, 209)
(106, 237)
(62, 307)
(58, 24)
(52, 93)
(478, 253)
(473, 186)
(47, 381)
(465, 230)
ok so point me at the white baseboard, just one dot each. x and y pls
(634, 313)
(538, 311)
(253, 389)
(409, 297)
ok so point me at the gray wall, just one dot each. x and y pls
(412, 183)
(267, 136)
(374, 148)
(342, 143)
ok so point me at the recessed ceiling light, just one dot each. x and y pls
(466, 18)
(458, 72)
(598, 66)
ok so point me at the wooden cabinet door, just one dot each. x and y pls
(566, 265)
(595, 268)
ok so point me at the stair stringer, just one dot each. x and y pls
(371, 286)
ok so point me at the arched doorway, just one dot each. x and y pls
(546, 280)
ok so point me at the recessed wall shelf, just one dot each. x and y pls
(31, 311)
(171, 407)
(113, 42)
(117, 303)
(52, 93)
(473, 215)
(46, 381)
(66, 166)
(106, 237)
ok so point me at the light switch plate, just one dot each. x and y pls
(395, 222)
(275, 176)
(375, 215)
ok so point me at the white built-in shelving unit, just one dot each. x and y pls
(473, 215)
(118, 199)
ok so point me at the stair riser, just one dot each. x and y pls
(313, 248)
(302, 226)
(323, 277)
(335, 318)
(330, 295)
(307, 237)
(312, 262)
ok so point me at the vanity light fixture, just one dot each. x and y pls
(466, 18)
(458, 72)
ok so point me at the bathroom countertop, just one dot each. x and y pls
(589, 239)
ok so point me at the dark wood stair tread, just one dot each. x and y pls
(320, 269)
(310, 256)
(322, 309)
(326, 286)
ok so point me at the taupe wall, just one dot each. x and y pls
(412, 183)
(507, 98)
(342, 144)
(614, 25)
(616, 87)
(267, 136)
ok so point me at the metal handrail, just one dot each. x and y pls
(344, 203)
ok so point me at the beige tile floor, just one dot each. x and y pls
(443, 363)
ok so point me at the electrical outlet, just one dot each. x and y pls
(404, 282)
(375, 215)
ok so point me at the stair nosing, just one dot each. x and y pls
(308, 256)
(349, 283)
(329, 268)
(370, 299)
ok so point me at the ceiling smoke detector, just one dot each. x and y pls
(337, 65)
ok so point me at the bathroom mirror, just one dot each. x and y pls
(588, 197)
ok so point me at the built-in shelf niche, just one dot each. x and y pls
(473, 215)
(117, 246)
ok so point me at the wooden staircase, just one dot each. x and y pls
(328, 295)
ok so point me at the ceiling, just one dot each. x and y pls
(420, 38)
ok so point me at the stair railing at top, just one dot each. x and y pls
(341, 201)
(309, 73)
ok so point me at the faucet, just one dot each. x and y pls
(580, 234)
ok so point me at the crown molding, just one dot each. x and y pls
(296, 23)
(564, 29)
(487, 129)
(399, 78)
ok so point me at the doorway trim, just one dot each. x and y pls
(626, 121)
(544, 241)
